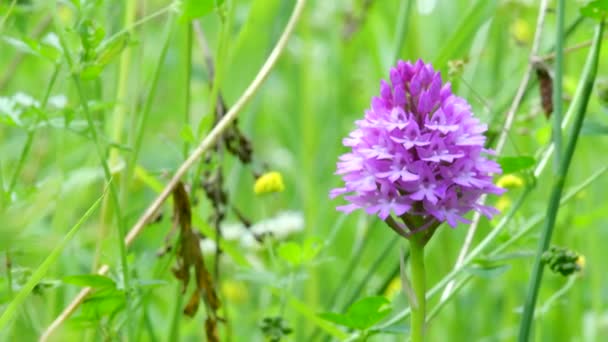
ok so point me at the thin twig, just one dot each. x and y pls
(207, 143)
(503, 136)
(576, 47)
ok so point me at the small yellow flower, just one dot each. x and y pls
(503, 203)
(581, 262)
(268, 183)
(65, 15)
(235, 292)
(393, 288)
(521, 31)
(510, 181)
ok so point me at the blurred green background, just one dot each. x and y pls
(325, 79)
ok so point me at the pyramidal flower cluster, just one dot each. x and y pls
(418, 151)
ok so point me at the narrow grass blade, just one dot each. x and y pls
(41, 271)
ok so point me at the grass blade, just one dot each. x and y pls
(41, 271)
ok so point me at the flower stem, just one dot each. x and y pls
(419, 286)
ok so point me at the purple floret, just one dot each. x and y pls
(418, 151)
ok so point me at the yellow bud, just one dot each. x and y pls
(393, 288)
(503, 203)
(235, 292)
(510, 181)
(268, 183)
(65, 15)
(581, 262)
(520, 29)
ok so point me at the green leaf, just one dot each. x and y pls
(514, 164)
(187, 134)
(91, 72)
(198, 8)
(90, 280)
(597, 9)
(296, 254)
(34, 47)
(110, 49)
(290, 252)
(104, 304)
(362, 315)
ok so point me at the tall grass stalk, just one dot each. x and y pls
(116, 125)
(558, 86)
(106, 170)
(586, 85)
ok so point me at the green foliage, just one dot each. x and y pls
(198, 8)
(362, 315)
(146, 84)
(275, 328)
(91, 280)
(299, 254)
(596, 9)
(515, 164)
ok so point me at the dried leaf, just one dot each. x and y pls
(189, 256)
(211, 330)
(546, 88)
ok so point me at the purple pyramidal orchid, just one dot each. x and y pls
(417, 152)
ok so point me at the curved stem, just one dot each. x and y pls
(208, 142)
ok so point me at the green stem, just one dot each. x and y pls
(30, 135)
(107, 174)
(419, 287)
(557, 85)
(116, 128)
(586, 85)
(177, 313)
(187, 80)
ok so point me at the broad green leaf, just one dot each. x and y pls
(362, 315)
(104, 304)
(90, 280)
(596, 9)
(514, 164)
